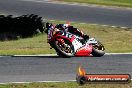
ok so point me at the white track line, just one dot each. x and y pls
(40, 82)
(117, 53)
(56, 54)
(35, 55)
(39, 55)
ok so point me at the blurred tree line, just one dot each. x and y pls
(21, 26)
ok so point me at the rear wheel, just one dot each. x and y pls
(64, 49)
(98, 50)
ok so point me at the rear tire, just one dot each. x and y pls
(63, 53)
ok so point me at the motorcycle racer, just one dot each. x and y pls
(67, 41)
(70, 29)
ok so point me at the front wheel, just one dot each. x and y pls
(98, 50)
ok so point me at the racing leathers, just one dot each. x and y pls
(72, 30)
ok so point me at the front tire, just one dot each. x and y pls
(98, 50)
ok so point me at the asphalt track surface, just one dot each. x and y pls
(52, 68)
(88, 14)
(29, 69)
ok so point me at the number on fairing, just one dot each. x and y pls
(68, 35)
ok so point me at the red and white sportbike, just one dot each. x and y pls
(67, 44)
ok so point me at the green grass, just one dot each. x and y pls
(65, 85)
(115, 40)
(36, 45)
(125, 3)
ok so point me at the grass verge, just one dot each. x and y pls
(124, 3)
(115, 40)
(65, 85)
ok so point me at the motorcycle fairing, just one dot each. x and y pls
(76, 44)
(84, 51)
(79, 48)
